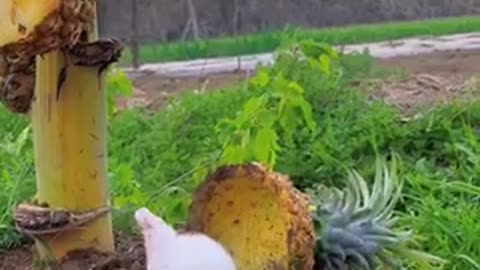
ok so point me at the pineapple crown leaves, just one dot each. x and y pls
(356, 227)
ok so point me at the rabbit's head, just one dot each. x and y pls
(153, 225)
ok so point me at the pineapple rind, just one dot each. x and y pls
(29, 28)
(301, 240)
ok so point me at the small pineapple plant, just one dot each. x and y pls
(356, 227)
(266, 223)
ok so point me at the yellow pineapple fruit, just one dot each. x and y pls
(267, 224)
(258, 216)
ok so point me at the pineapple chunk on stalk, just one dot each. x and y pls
(19, 19)
(29, 28)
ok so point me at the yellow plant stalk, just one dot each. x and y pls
(52, 68)
(70, 149)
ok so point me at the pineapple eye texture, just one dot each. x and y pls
(258, 216)
(238, 211)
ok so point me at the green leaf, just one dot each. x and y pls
(261, 79)
(253, 105)
(288, 120)
(280, 85)
(266, 118)
(325, 64)
(295, 87)
(234, 154)
(423, 259)
(226, 127)
(22, 139)
(245, 138)
(470, 260)
(463, 187)
(118, 83)
(308, 115)
(314, 49)
(266, 146)
(329, 50)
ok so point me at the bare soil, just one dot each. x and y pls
(130, 254)
(431, 78)
(152, 91)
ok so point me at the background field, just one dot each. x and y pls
(268, 41)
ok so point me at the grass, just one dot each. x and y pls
(268, 41)
(157, 158)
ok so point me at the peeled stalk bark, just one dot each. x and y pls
(69, 135)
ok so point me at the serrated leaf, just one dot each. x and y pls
(225, 123)
(266, 146)
(266, 118)
(234, 154)
(295, 87)
(280, 86)
(288, 120)
(261, 79)
(253, 105)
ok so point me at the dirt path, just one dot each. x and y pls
(433, 77)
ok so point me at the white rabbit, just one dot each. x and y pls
(167, 249)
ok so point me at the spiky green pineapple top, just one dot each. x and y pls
(356, 227)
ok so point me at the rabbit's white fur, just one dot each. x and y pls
(167, 249)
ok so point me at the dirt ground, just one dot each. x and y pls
(434, 77)
(152, 91)
(431, 78)
(130, 256)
